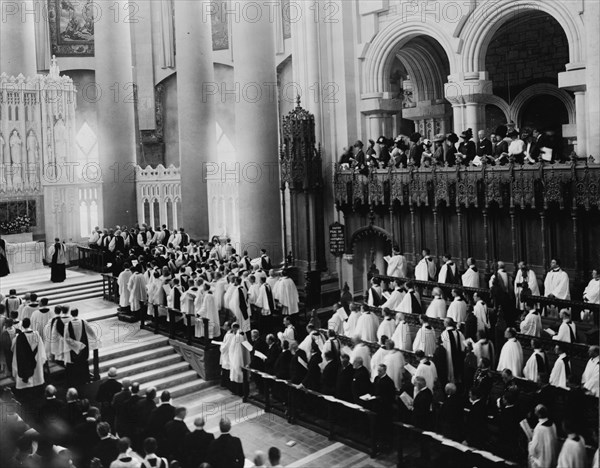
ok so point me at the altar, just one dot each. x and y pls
(25, 256)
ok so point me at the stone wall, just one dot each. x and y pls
(524, 52)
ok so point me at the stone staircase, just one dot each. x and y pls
(152, 362)
(69, 294)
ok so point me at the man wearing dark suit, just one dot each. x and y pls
(51, 413)
(385, 391)
(361, 382)
(226, 451)
(298, 364)
(143, 409)
(312, 379)
(451, 415)
(476, 420)
(273, 352)
(129, 410)
(329, 374)
(422, 400)
(175, 432)
(86, 437)
(196, 444)
(258, 344)
(484, 145)
(106, 391)
(159, 418)
(282, 364)
(343, 386)
(106, 450)
(74, 412)
(508, 424)
(118, 406)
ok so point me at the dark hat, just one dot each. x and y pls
(358, 144)
(415, 137)
(452, 137)
(467, 134)
(501, 131)
(382, 140)
(512, 134)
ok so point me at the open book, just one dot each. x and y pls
(302, 362)
(411, 369)
(550, 331)
(526, 429)
(215, 342)
(260, 355)
(407, 400)
(367, 397)
(247, 345)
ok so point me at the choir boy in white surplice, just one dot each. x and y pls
(396, 297)
(80, 341)
(367, 325)
(253, 291)
(449, 271)
(480, 310)
(394, 360)
(40, 318)
(525, 275)
(543, 447)
(425, 269)
(532, 324)
(208, 310)
(375, 294)
(265, 300)
(591, 293)
(561, 371)
(224, 350)
(137, 290)
(567, 331)
(29, 357)
(55, 347)
(396, 264)
(556, 283)
(511, 355)
(458, 307)
(411, 303)
(453, 342)
(470, 277)
(238, 357)
(350, 324)
(537, 363)
(590, 380)
(29, 308)
(483, 348)
(425, 339)
(387, 325)
(239, 305)
(338, 319)
(402, 335)
(286, 293)
(425, 369)
(437, 306)
(573, 451)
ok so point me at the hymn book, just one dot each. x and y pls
(407, 400)
(411, 369)
(550, 331)
(526, 429)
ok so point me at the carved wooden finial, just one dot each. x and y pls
(298, 101)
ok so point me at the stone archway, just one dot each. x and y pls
(368, 247)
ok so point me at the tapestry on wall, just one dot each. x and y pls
(220, 28)
(71, 27)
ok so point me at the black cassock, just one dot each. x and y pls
(78, 371)
(58, 271)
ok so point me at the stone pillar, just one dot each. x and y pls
(581, 121)
(256, 124)
(457, 118)
(196, 110)
(17, 36)
(472, 118)
(116, 116)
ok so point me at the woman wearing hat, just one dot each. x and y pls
(427, 155)
(516, 148)
(384, 152)
(467, 148)
(450, 150)
(438, 149)
(399, 156)
(416, 150)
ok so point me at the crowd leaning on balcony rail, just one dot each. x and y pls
(506, 144)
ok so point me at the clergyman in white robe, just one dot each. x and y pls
(480, 311)
(395, 299)
(29, 357)
(511, 357)
(535, 365)
(377, 359)
(561, 371)
(286, 293)
(573, 452)
(425, 269)
(394, 361)
(532, 324)
(337, 321)
(591, 375)
(386, 327)
(123, 281)
(402, 336)
(457, 310)
(427, 370)
(350, 324)
(437, 306)
(425, 340)
(525, 274)
(591, 293)
(543, 445)
(396, 265)
(237, 357)
(470, 277)
(557, 284)
(363, 351)
(366, 326)
(209, 311)
(137, 291)
(453, 345)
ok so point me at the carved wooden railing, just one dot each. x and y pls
(572, 184)
(110, 288)
(321, 413)
(91, 259)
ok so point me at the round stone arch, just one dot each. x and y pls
(516, 108)
(367, 232)
(484, 22)
(380, 54)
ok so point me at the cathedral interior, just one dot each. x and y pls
(333, 138)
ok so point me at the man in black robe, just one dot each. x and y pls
(57, 265)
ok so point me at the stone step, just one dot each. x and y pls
(142, 365)
(121, 362)
(120, 349)
(174, 381)
(172, 371)
(45, 292)
(195, 384)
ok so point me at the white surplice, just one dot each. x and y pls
(397, 266)
(592, 292)
(387, 327)
(481, 313)
(543, 445)
(573, 453)
(457, 310)
(511, 357)
(557, 284)
(37, 346)
(337, 321)
(470, 278)
(286, 293)
(402, 337)
(366, 326)
(123, 281)
(425, 340)
(531, 324)
(437, 308)
(591, 376)
(394, 361)
(428, 371)
(558, 376)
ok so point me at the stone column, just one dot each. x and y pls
(17, 36)
(256, 125)
(196, 110)
(472, 118)
(116, 116)
(581, 121)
